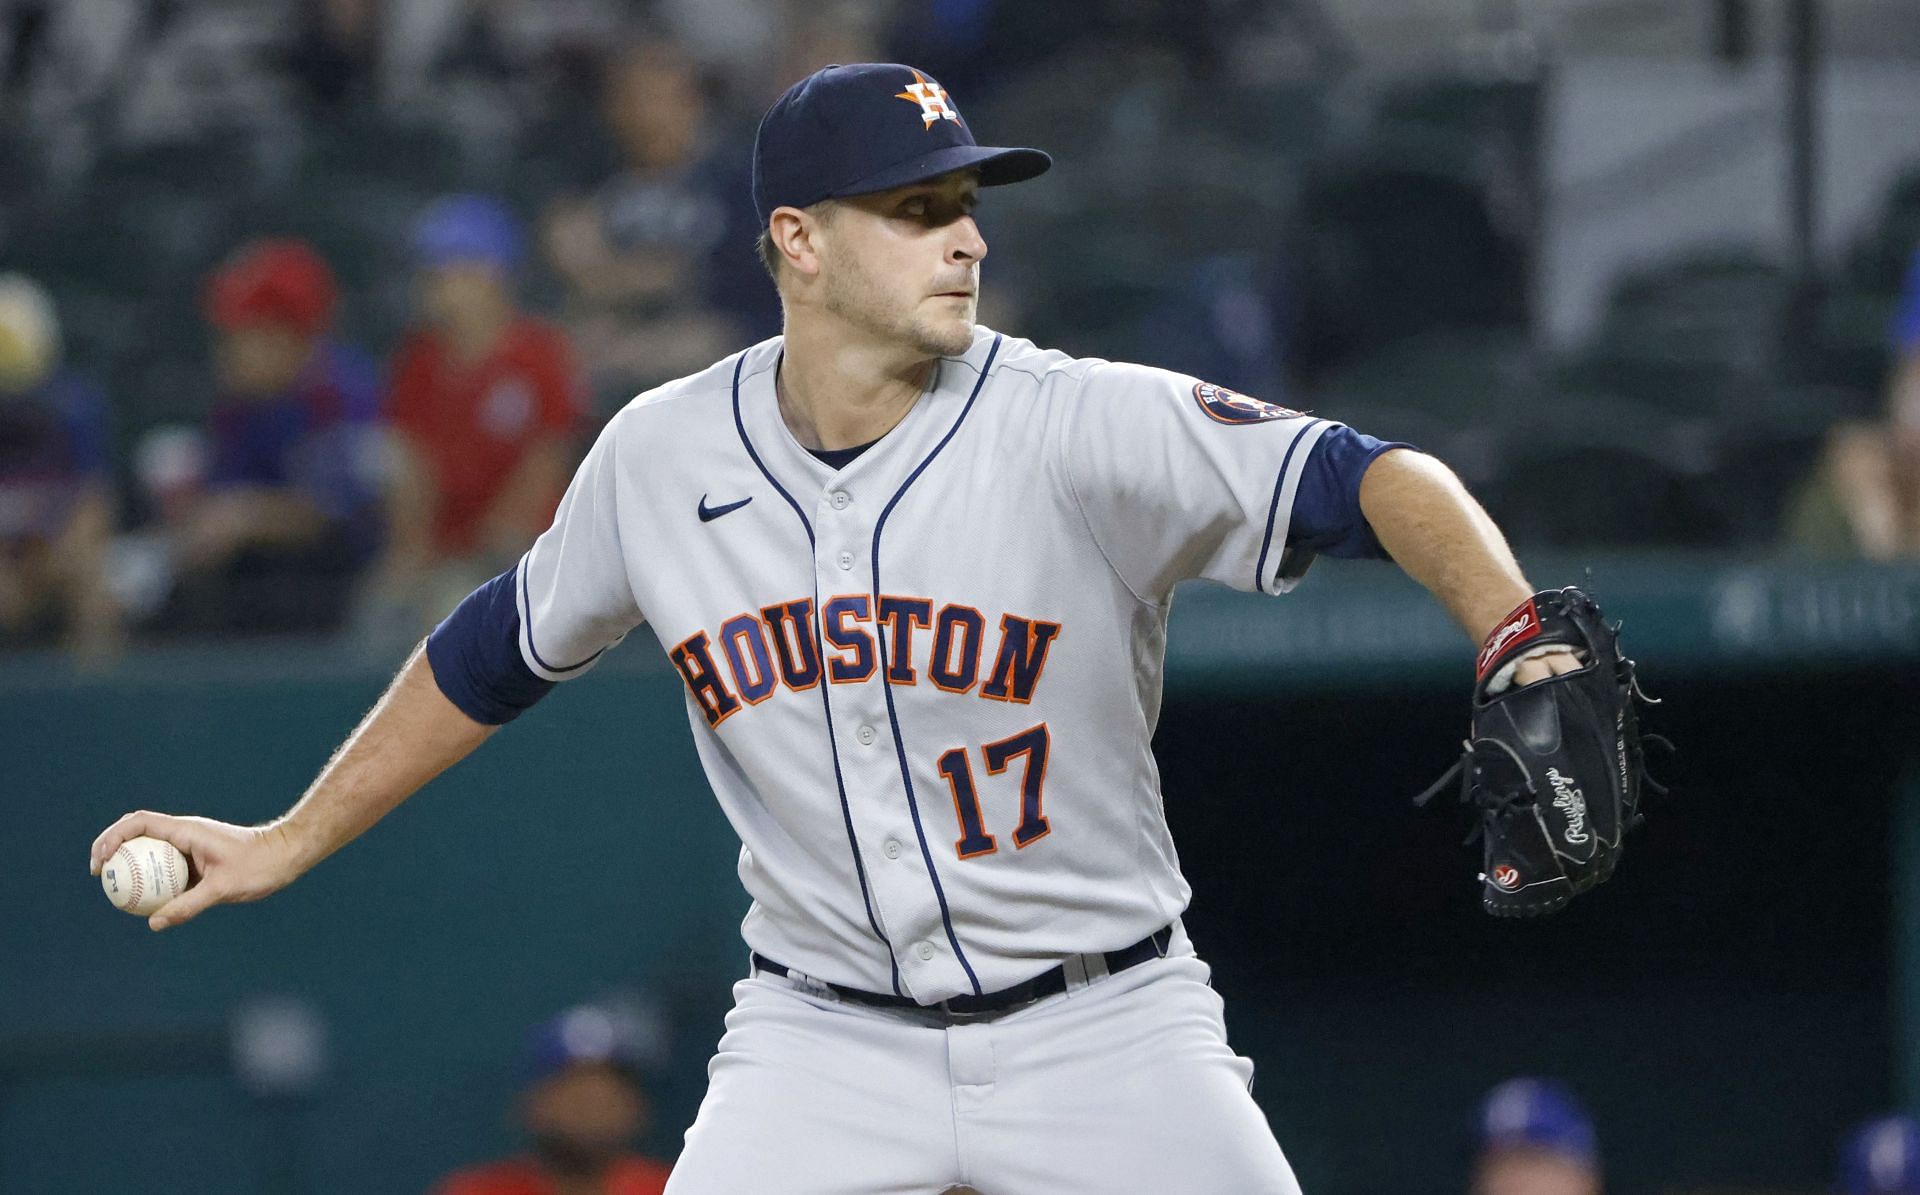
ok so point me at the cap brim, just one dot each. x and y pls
(998, 166)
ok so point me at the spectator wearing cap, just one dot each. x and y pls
(583, 1110)
(655, 249)
(485, 407)
(1881, 1157)
(1535, 1140)
(1864, 499)
(56, 500)
(269, 539)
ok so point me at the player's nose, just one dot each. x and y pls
(967, 243)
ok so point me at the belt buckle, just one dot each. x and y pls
(963, 1017)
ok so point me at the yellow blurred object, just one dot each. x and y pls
(29, 334)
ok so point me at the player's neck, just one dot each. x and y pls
(835, 393)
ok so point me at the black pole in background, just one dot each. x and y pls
(1733, 31)
(1803, 53)
(1803, 84)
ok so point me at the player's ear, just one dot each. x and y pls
(796, 237)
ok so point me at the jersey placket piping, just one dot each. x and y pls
(886, 684)
(826, 701)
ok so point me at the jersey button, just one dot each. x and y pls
(866, 735)
(924, 950)
(846, 560)
(840, 499)
(893, 849)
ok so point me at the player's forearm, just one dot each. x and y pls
(1444, 539)
(412, 734)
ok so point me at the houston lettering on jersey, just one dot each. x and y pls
(752, 654)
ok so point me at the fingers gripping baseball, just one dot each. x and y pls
(133, 825)
(227, 863)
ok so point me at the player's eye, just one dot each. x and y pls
(935, 210)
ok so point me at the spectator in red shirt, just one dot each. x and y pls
(586, 1107)
(484, 402)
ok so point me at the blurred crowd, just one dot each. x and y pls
(1533, 1137)
(585, 1111)
(308, 307)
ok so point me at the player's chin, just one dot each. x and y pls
(947, 335)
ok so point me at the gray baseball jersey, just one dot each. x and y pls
(924, 686)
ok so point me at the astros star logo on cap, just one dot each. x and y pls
(932, 99)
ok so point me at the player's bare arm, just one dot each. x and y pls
(412, 734)
(1436, 531)
(1551, 811)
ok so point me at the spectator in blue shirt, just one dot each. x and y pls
(56, 497)
(657, 252)
(287, 510)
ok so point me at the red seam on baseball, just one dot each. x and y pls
(135, 887)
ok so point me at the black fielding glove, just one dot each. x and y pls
(1554, 770)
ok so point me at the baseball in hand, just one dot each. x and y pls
(144, 874)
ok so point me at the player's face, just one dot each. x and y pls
(904, 265)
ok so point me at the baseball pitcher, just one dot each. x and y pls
(915, 576)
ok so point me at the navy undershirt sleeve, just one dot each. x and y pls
(475, 655)
(1327, 520)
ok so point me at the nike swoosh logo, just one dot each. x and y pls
(709, 513)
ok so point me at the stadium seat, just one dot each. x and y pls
(1464, 378)
(1626, 495)
(421, 157)
(1694, 333)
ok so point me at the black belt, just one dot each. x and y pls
(1049, 983)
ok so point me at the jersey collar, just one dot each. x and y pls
(883, 467)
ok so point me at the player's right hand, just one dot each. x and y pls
(226, 863)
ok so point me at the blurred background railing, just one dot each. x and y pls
(307, 307)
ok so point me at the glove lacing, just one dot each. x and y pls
(1493, 800)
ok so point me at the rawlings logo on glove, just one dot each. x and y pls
(1553, 770)
(1523, 624)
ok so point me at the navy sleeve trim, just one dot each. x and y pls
(475, 656)
(1327, 519)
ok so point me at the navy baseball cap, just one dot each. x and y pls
(1882, 1157)
(871, 126)
(1537, 1114)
